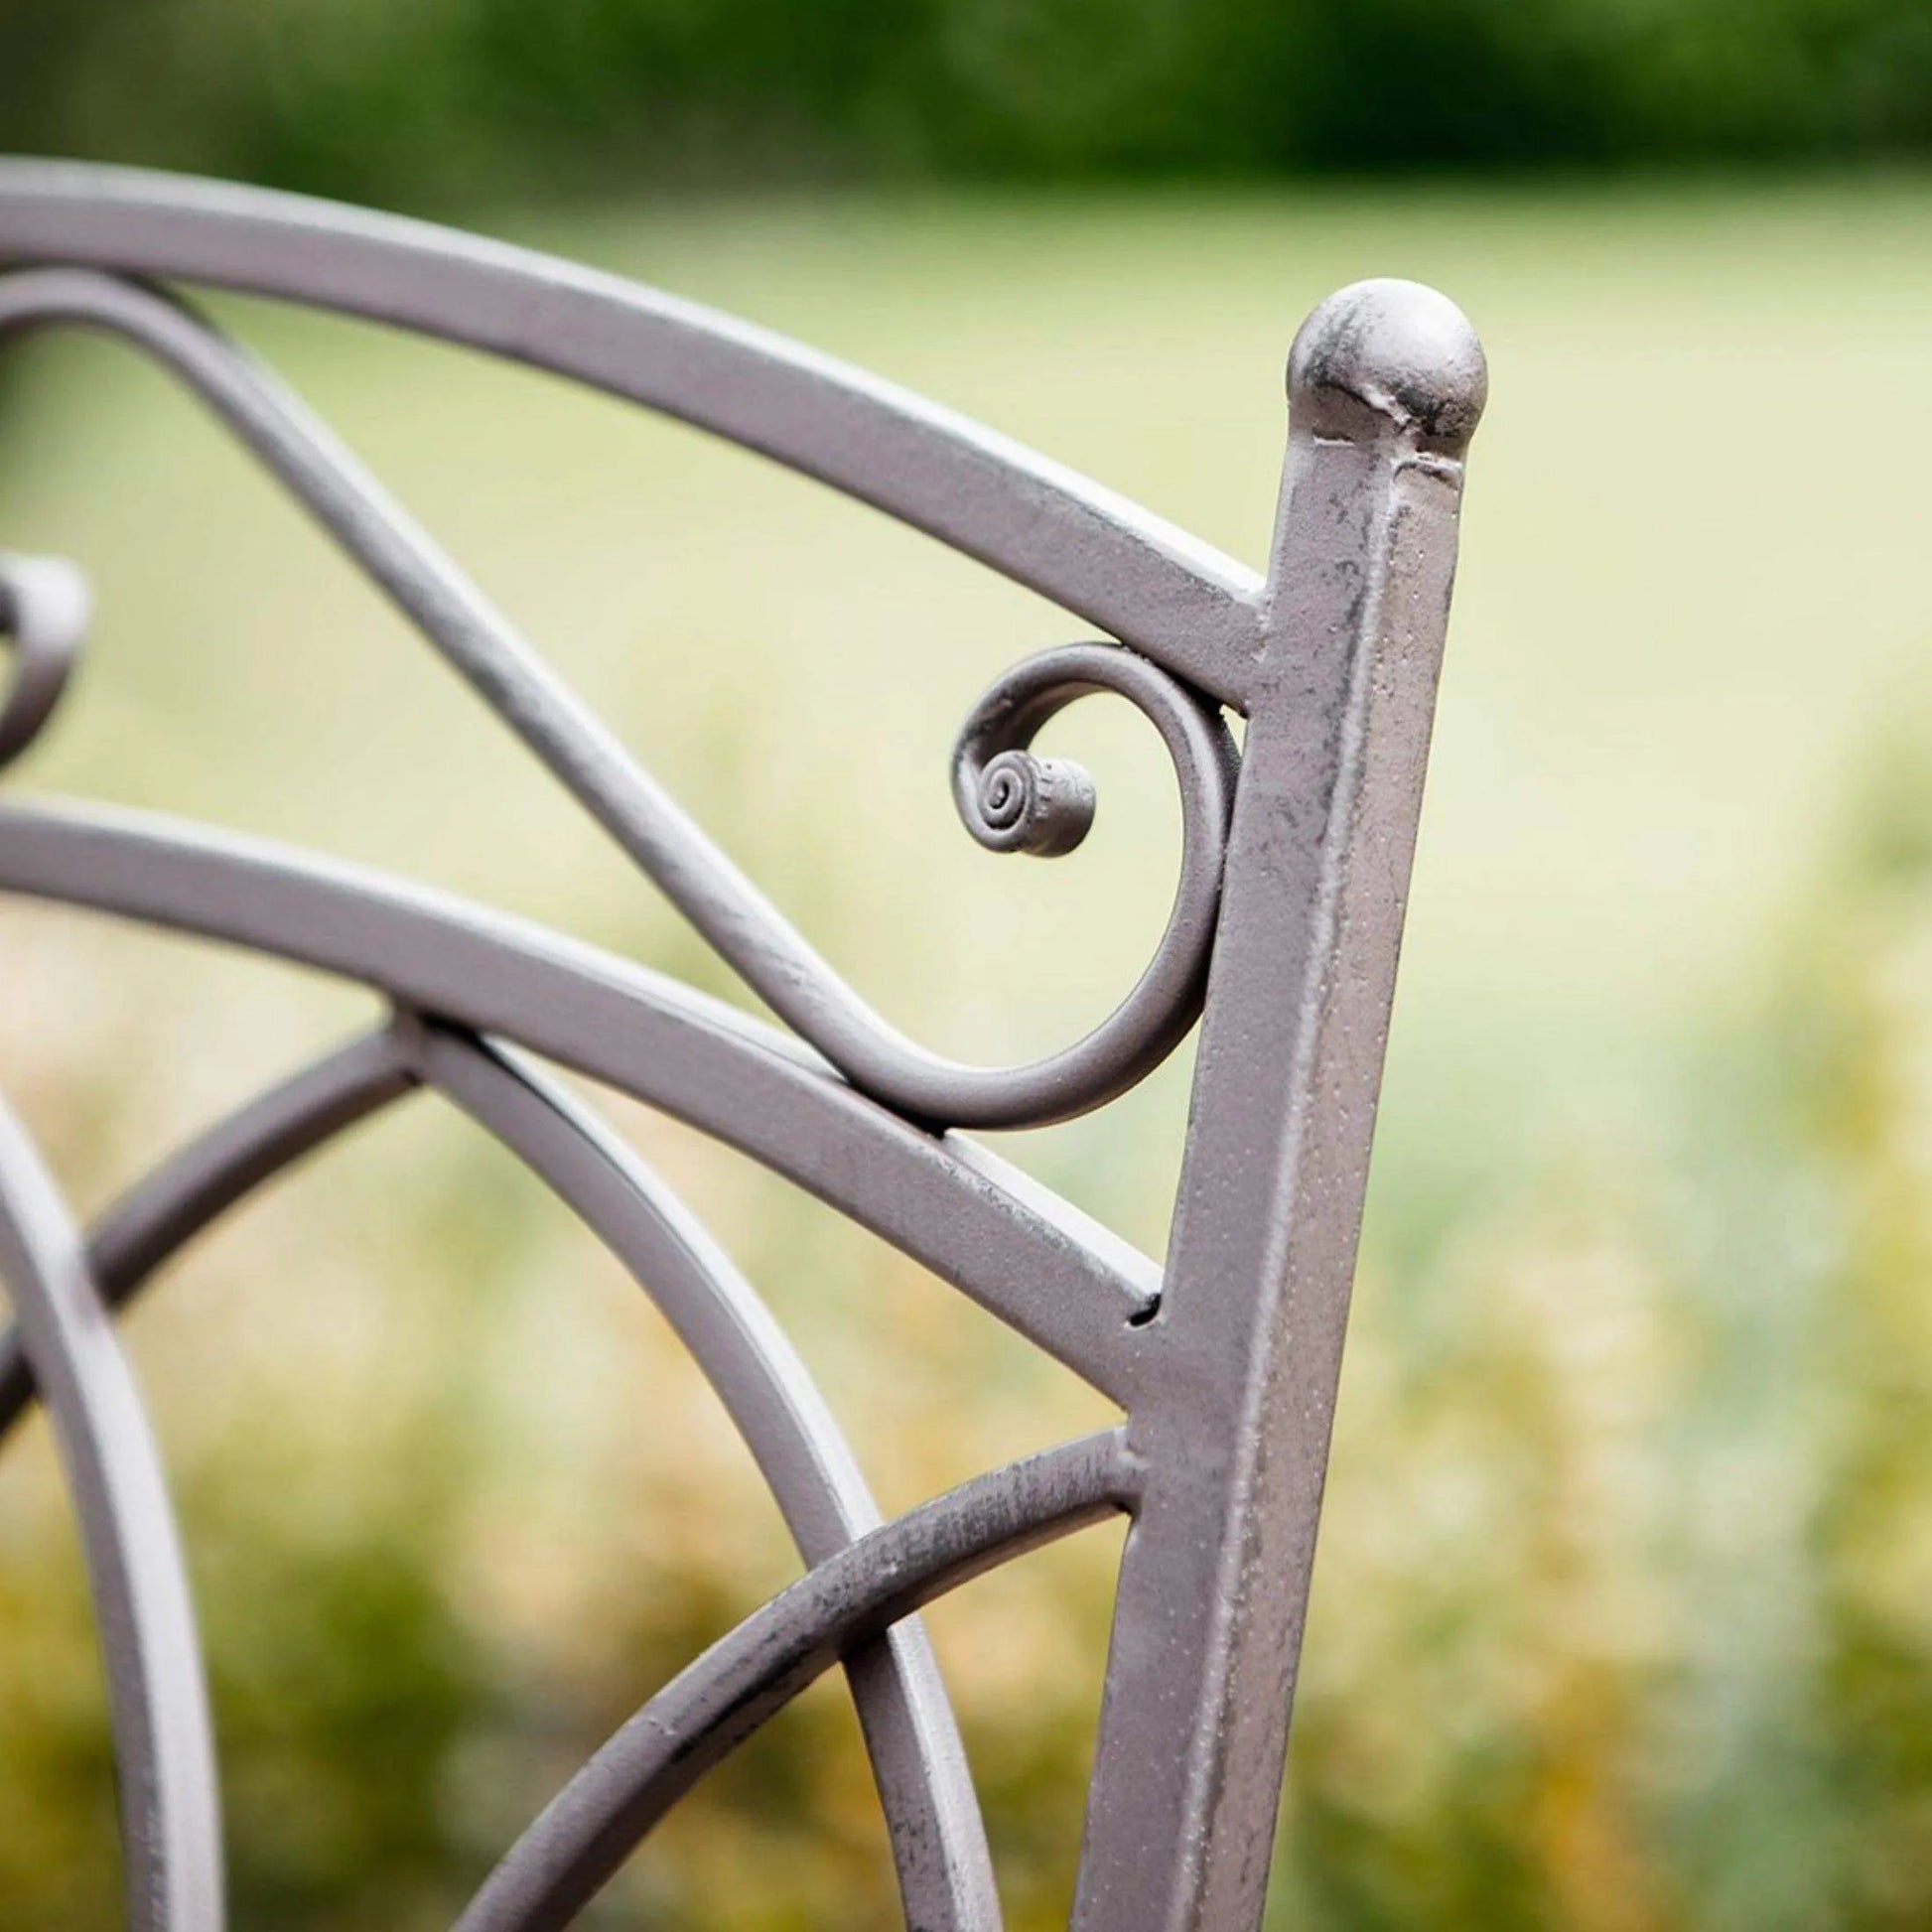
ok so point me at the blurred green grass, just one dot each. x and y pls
(1599, 1620)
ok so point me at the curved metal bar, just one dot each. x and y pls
(171, 1832)
(1012, 800)
(939, 1840)
(1171, 597)
(576, 1846)
(169, 1207)
(761, 946)
(1058, 1277)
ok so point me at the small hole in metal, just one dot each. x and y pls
(1141, 1317)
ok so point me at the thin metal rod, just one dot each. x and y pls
(583, 1836)
(1151, 585)
(1052, 1272)
(171, 1831)
(168, 1207)
(939, 1840)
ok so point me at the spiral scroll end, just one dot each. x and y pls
(1025, 803)
(45, 608)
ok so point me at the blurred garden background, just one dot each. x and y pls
(1623, 1615)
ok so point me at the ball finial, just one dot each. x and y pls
(1397, 349)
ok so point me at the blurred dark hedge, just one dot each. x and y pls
(440, 99)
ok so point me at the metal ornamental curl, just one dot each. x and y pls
(44, 611)
(1283, 932)
(773, 959)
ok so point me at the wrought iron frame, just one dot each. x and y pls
(1282, 941)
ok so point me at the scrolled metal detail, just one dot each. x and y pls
(747, 930)
(1023, 803)
(1010, 798)
(1013, 799)
(44, 611)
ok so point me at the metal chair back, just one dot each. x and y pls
(1281, 945)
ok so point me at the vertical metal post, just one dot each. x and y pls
(1386, 381)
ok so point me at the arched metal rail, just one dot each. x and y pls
(1286, 917)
